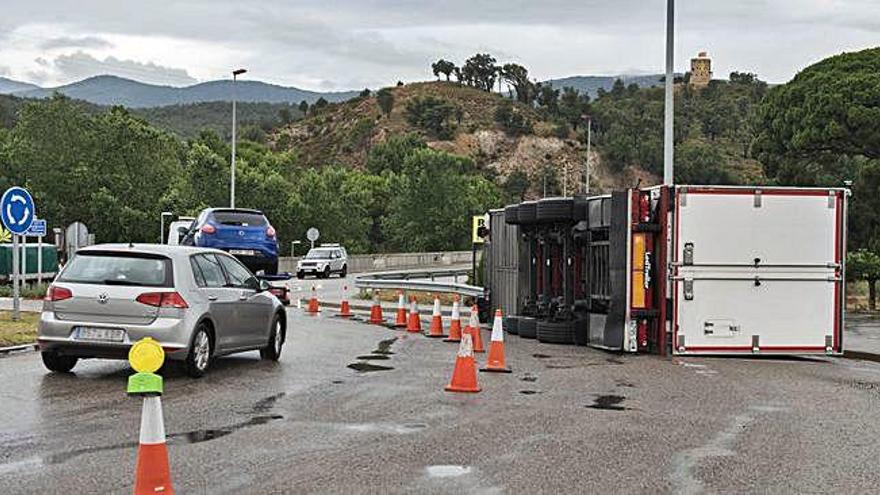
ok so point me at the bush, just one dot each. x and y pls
(433, 115)
(511, 120)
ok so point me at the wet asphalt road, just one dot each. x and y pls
(568, 420)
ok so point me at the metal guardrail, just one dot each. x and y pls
(420, 280)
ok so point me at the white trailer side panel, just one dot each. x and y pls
(757, 271)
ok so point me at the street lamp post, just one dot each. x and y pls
(589, 119)
(235, 74)
(292, 248)
(668, 149)
(162, 225)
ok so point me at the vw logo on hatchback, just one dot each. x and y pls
(103, 297)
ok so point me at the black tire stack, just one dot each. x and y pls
(555, 332)
(511, 324)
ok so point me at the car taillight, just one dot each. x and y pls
(270, 232)
(55, 293)
(208, 229)
(162, 300)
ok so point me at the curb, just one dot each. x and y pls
(15, 349)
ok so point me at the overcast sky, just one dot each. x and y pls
(350, 44)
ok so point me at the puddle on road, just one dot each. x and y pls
(337, 382)
(529, 392)
(614, 361)
(559, 366)
(384, 347)
(383, 350)
(447, 471)
(402, 429)
(528, 377)
(609, 403)
(267, 403)
(542, 356)
(368, 368)
(198, 436)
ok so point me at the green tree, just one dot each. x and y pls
(865, 265)
(512, 119)
(516, 185)
(433, 115)
(573, 106)
(365, 93)
(444, 67)
(480, 71)
(284, 116)
(391, 154)
(304, 107)
(385, 100)
(518, 76)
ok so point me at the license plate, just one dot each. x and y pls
(100, 334)
(241, 252)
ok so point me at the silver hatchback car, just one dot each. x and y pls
(197, 303)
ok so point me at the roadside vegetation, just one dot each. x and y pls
(19, 332)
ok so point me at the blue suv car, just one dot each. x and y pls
(245, 234)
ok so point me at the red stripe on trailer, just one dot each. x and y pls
(661, 268)
(675, 274)
(750, 191)
(838, 246)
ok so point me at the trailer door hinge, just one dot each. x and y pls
(682, 196)
(832, 199)
(757, 198)
(756, 344)
(680, 343)
(688, 289)
(829, 344)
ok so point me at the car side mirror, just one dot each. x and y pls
(263, 285)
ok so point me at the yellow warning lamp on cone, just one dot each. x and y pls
(146, 357)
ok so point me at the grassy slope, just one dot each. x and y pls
(23, 331)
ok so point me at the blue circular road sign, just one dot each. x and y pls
(17, 210)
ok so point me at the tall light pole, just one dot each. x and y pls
(668, 143)
(235, 74)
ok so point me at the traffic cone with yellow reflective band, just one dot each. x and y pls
(415, 321)
(376, 310)
(344, 307)
(455, 324)
(152, 473)
(436, 329)
(400, 322)
(464, 375)
(496, 347)
(313, 303)
(474, 329)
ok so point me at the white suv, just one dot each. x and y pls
(322, 261)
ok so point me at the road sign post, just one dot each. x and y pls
(17, 212)
(38, 230)
(312, 235)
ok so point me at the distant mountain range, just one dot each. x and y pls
(113, 90)
(591, 84)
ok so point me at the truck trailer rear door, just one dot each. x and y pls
(758, 270)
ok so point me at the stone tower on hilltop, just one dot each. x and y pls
(701, 70)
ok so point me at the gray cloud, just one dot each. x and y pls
(80, 65)
(78, 42)
(380, 41)
(4, 70)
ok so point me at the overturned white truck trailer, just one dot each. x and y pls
(691, 270)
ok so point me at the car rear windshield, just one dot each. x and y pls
(239, 218)
(111, 268)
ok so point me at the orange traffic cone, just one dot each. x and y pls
(313, 303)
(415, 321)
(400, 322)
(152, 474)
(464, 376)
(474, 329)
(496, 347)
(376, 310)
(455, 324)
(345, 309)
(436, 329)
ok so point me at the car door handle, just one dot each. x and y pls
(212, 298)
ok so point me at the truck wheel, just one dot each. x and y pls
(555, 210)
(556, 332)
(527, 327)
(300, 275)
(59, 364)
(511, 324)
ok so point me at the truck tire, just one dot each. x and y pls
(511, 324)
(551, 210)
(527, 213)
(527, 327)
(511, 214)
(556, 332)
